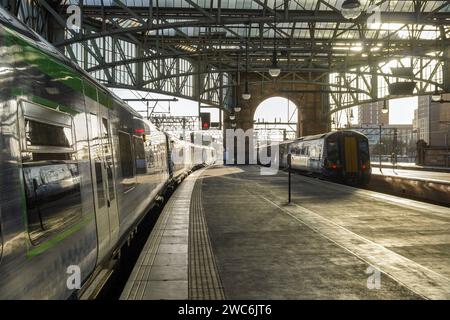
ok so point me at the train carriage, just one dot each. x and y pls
(78, 168)
(340, 155)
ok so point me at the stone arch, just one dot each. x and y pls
(273, 110)
(309, 99)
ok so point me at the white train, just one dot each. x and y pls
(78, 168)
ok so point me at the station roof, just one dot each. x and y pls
(312, 33)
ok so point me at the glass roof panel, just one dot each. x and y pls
(394, 5)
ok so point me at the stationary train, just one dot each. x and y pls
(79, 169)
(341, 155)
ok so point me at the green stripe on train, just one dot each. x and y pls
(59, 237)
(55, 69)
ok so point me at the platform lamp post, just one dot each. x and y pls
(289, 161)
(379, 144)
(384, 110)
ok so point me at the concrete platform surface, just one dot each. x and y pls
(442, 177)
(229, 233)
(322, 245)
(409, 166)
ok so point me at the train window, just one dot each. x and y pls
(364, 150)
(333, 151)
(126, 158)
(53, 197)
(47, 135)
(50, 172)
(139, 153)
(304, 151)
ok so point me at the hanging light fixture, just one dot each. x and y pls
(233, 125)
(385, 108)
(351, 115)
(246, 95)
(436, 96)
(232, 117)
(274, 70)
(351, 9)
(237, 109)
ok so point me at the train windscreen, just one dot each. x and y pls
(364, 152)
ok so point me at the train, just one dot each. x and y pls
(341, 156)
(79, 169)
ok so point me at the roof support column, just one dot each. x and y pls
(199, 79)
(139, 67)
(446, 70)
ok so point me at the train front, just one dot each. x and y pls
(347, 157)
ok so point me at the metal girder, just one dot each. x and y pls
(168, 43)
(205, 22)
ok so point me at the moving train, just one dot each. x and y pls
(79, 169)
(341, 156)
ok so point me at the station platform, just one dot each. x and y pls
(435, 176)
(409, 166)
(431, 186)
(229, 233)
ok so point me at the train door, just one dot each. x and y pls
(351, 155)
(103, 181)
(108, 175)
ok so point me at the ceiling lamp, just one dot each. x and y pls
(436, 96)
(232, 117)
(351, 115)
(385, 108)
(274, 70)
(246, 95)
(237, 109)
(351, 9)
(233, 125)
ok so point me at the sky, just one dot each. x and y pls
(276, 108)
(401, 111)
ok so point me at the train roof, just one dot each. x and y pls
(328, 134)
(277, 143)
(18, 26)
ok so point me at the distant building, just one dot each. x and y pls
(370, 114)
(433, 122)
(397, 138)
(415, 123)
(423, 118)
